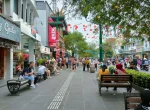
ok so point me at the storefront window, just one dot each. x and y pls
(16, 6)
(22, 12)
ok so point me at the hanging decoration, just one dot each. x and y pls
(119, 27)
(90, 29)
(69, 24)
(107, 26)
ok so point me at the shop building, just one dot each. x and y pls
(52, 35)
(41, 22)
(9, 40)
(23, 12)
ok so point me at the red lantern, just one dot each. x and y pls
(90, 29)
(119, 27)
(94, 26)
(87, 34)
(69, 24)
(107, 27)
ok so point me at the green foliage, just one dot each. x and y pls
(91, 51)
(111, 69)
(40, 61)
(130, 14)
(140, 78)
(75, 42)
(107, 50)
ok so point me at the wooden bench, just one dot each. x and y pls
(14, 85)
(121, 81)
(131, 100)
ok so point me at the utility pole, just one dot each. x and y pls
(100, 41)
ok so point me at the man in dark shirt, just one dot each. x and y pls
(31, 70)
(28, 74)
(145, 97)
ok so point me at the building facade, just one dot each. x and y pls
(137, 47)
(10, 33)
(22, 13)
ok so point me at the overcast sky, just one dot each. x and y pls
(89, 34)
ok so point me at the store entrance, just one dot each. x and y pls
(2, 62)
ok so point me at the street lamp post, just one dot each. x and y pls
(100, 41)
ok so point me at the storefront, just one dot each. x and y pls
(45, 52)
(9, 40)
(139, 49)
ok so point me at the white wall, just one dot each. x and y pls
(42, 28)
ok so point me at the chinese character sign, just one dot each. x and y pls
(51, 34)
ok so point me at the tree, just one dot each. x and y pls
(130, 16)
(107, 50)
(75, 42)
(91, 50)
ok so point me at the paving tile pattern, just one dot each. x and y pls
(78, 91)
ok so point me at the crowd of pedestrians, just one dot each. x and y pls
(46, 69)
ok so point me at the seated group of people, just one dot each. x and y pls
(104, 71)
(45, 70)
(145, 94)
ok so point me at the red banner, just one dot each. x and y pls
(51, 34)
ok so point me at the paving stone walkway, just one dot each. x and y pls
(68, 91)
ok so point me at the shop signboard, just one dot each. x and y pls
(45, 50)
(9, 31)
(51, 34)
(139, 48)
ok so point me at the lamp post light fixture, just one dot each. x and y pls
(100, 41)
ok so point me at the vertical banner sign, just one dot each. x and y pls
(51, 34)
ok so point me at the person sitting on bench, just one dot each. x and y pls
(103, 71)
(42, 71)
(145, 97)
(28, 74)
(119, 71)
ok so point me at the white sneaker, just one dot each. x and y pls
(36, 84)
(32, 86)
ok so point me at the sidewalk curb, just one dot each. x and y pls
(3, 85)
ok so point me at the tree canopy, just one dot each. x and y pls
(107, 50)
(91, 50)
(130, 16)
(75, 42)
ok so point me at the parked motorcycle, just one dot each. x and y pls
(145, 67)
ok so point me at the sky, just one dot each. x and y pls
(88, 34)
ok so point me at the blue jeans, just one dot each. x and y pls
(31, 78)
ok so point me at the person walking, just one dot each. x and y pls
(95, 64)
(66, 60)
(88, 64)
(84, 63)
(69, 63)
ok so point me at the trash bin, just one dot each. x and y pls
(92, 69)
